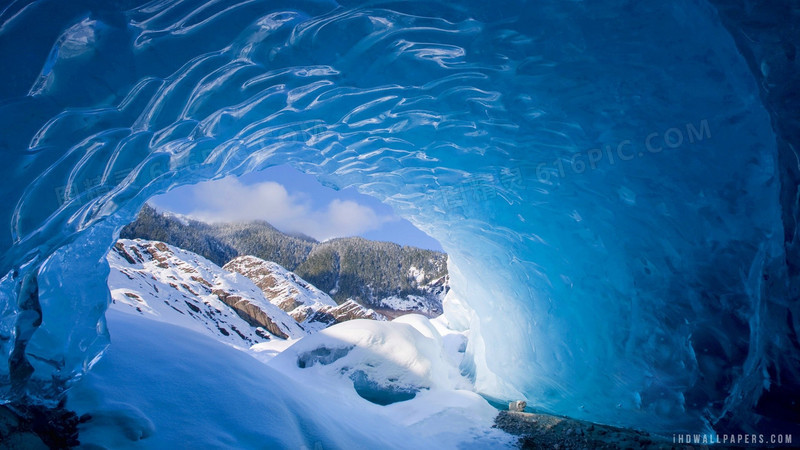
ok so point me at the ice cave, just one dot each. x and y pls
(615, 183)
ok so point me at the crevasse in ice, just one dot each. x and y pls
(603, 176)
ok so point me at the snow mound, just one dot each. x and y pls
(384, 362)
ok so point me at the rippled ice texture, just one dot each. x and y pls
(626, 284)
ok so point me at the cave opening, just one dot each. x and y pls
(217, 258)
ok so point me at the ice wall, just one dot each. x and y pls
(604, 177)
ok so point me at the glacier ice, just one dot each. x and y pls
(604, 177)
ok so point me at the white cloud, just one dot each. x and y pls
(348, 218)
(228, 200)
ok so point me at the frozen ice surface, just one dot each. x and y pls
(603, 176)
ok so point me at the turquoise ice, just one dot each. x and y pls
(605, 178)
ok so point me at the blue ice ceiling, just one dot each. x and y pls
(614, 181)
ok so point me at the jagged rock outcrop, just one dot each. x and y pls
(282, 287)
(309, 306)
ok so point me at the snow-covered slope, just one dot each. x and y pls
(164, 386)
(308, 305)
(168, 284)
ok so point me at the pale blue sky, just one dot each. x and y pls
(293, 202)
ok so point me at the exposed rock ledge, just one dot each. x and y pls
(538, 431)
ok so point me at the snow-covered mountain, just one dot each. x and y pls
(309, 306)
(247, 301)
(168, 284)
(385, 276)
